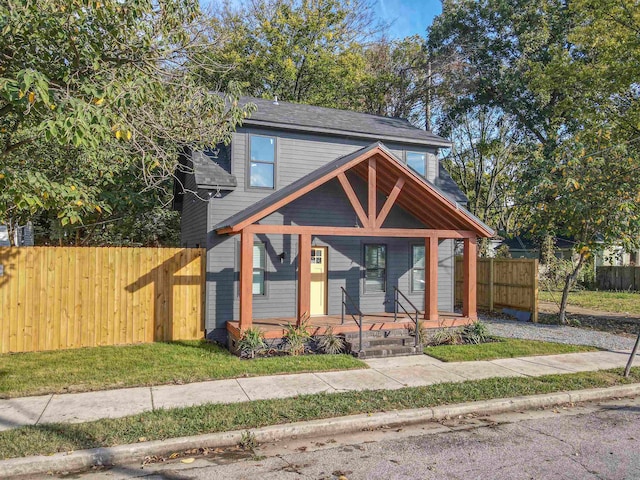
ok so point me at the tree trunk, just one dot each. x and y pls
(570, 281)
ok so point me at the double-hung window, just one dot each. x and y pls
(417, 268)
(375, 265)
(417, 162)
(262, 161)
(259, 267)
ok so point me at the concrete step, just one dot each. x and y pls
(374, 334)
(384, 341)
(388, 351)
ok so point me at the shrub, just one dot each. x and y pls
(475, 333)
(445, 336)
(251, 342)
(295, 337)
(330, 342)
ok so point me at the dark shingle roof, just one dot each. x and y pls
(445, 183)
(210, 172)
(308, 118)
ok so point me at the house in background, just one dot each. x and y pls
(333, 216)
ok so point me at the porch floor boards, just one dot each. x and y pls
(275, 327)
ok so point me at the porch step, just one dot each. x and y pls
(383, 343)
(389, 351)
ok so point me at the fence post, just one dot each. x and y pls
(534, 297)
(490, 286)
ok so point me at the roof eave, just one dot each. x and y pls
(438, 142)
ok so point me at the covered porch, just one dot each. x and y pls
(385, 176)
(274, 328)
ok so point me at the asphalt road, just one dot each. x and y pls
(591, 441)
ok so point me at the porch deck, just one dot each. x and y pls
(275, 327)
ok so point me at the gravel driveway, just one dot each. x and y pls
(557, 333)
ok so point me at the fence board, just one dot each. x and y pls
(618, 278)
(504, 283)
(67, 297)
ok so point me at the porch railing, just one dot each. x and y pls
(356, 318)
(397, 294)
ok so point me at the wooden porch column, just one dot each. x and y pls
(431, 278)
(469, 260)
(304, 277)
(246, 280)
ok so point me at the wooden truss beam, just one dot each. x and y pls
(391, 200)
(358, 232)
(351, 195)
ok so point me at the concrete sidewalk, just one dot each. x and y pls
(383, 374)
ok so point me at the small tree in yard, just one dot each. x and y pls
(591, 194)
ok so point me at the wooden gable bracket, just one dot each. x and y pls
(391, 200)
(372, 208)
(351, 195)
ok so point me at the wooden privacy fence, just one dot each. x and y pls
(504, 283)
(618, 278)
(54, 298)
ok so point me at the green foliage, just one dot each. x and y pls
(296, 337)
(248, 441)
(476, 333)
(251, 342)
(96, 101)
(422, 332)
(331, 343)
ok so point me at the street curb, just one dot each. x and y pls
(122, 454)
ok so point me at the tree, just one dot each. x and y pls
(96, 101)
(304, 51)
(538, 63)
(484, 163)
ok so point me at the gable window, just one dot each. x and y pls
(418, 162)
(375, 266)
(259, 267)
(262, 161)
(417, 268)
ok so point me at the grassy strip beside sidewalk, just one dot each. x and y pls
(102, 368)
(162, 424)
(504, 348)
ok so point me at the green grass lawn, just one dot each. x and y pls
(617, 302)
(504, 348)
(162, 424)
(101, 368)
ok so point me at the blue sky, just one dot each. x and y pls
(409, 17)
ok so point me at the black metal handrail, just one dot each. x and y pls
(413, 316)
(358, 319)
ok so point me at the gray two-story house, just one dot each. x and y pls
(336, 217)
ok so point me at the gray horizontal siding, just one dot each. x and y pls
(193, 220)
(297, 155)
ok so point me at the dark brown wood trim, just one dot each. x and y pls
(351, 195)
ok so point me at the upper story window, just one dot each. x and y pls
(262, 164)
(418, 162)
